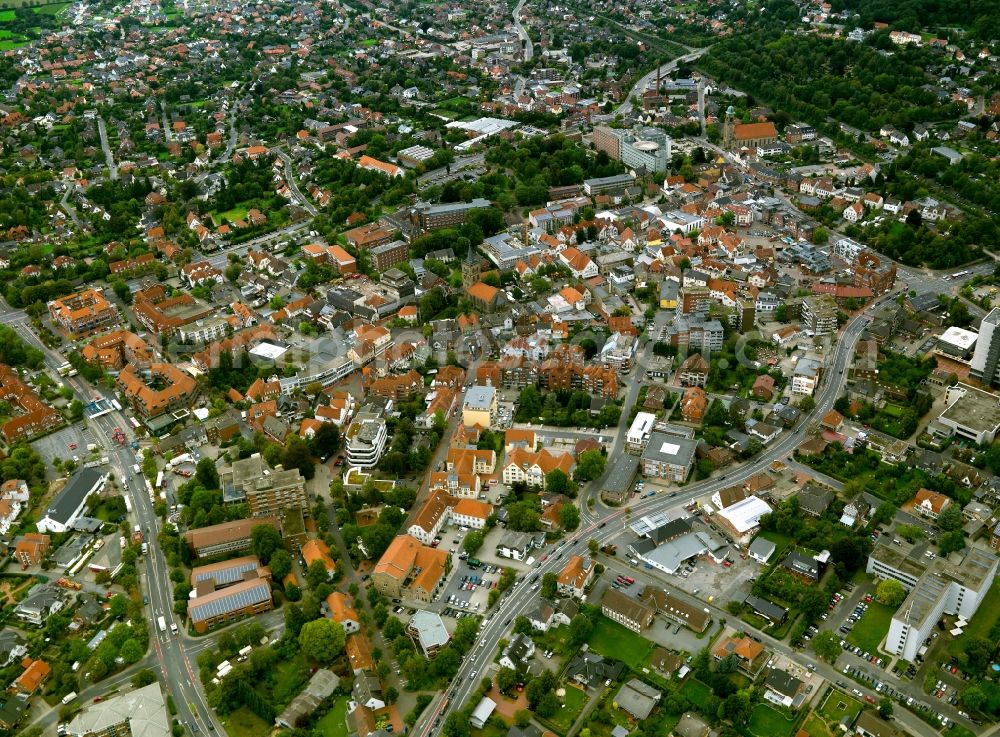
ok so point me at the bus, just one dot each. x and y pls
(159, 479)
(959, 274)
(135, 422)
(65, 369)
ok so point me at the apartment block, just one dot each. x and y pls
(83, 313)
(627, 611)
(267, 491)
(153, 391)
(410, 570)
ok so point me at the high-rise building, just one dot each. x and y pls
(267, 491)
(986, 360)
(639, 148)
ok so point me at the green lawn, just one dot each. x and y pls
(6, 16)
(332, 724)
(982, 621)
(51, 8)
(839, 705)
(872, 628)
(368, 42)
(572, 704)
(696, 692)
(237, 213)
(8, 45)
(244, 723)
(957, 730)
(816, 727)
(612, 640)
(767, 722)
(781, 543)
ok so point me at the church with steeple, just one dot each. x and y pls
(472, 268)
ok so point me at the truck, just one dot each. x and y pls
(69, 697)
(173, 628)
(91, 447)
(136, 470)
(162, 622)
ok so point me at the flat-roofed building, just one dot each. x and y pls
(227, 573)
(668, 457)
(267, 491)
(971, 413)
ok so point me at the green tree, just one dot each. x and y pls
(736, 708)
(549, 585)
(590, 465)
(951, 542)
(456, 725)
(569, 517)
(297, 455)
(890, 592)
(317, 574)
(827, 646)
(281, 565)
(264, 541)
(473, 542)
(322, 640)
(580, 629)
(950, 518)
(506, 679)
(556, 481)
(885, 707)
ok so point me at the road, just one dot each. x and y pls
(529, 51)
(68, 207)
(231, 142)
(602, 525)
(643, 84)
(168, 131)
(300, 199)
(175, 666)
(102, 130)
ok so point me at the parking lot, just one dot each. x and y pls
(69, 443)
(467, 592)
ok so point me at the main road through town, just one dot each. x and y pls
(606, 524)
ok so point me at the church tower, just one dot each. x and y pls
(729, 129)
(471, 268)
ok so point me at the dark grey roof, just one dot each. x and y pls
(801, 564)
(783, 682)
(73, 494)
(767, 608)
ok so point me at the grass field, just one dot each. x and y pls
(781, 542)
(574, 701)
(237, 213)
(816, 727)
(766, 722)
(612, 640)
(332, 724)
(872, 628)
(244, 723)
(8, 45)
(696, 692)
(837, 706)
(957, 730)
(368, 42)
(6, 16)
(982, 621)
(51, 8)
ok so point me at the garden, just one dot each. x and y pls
(766, 721)
(872, 628)
(612, 640)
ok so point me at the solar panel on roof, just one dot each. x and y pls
(238, 599)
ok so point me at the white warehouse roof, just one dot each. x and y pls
(745, 515)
